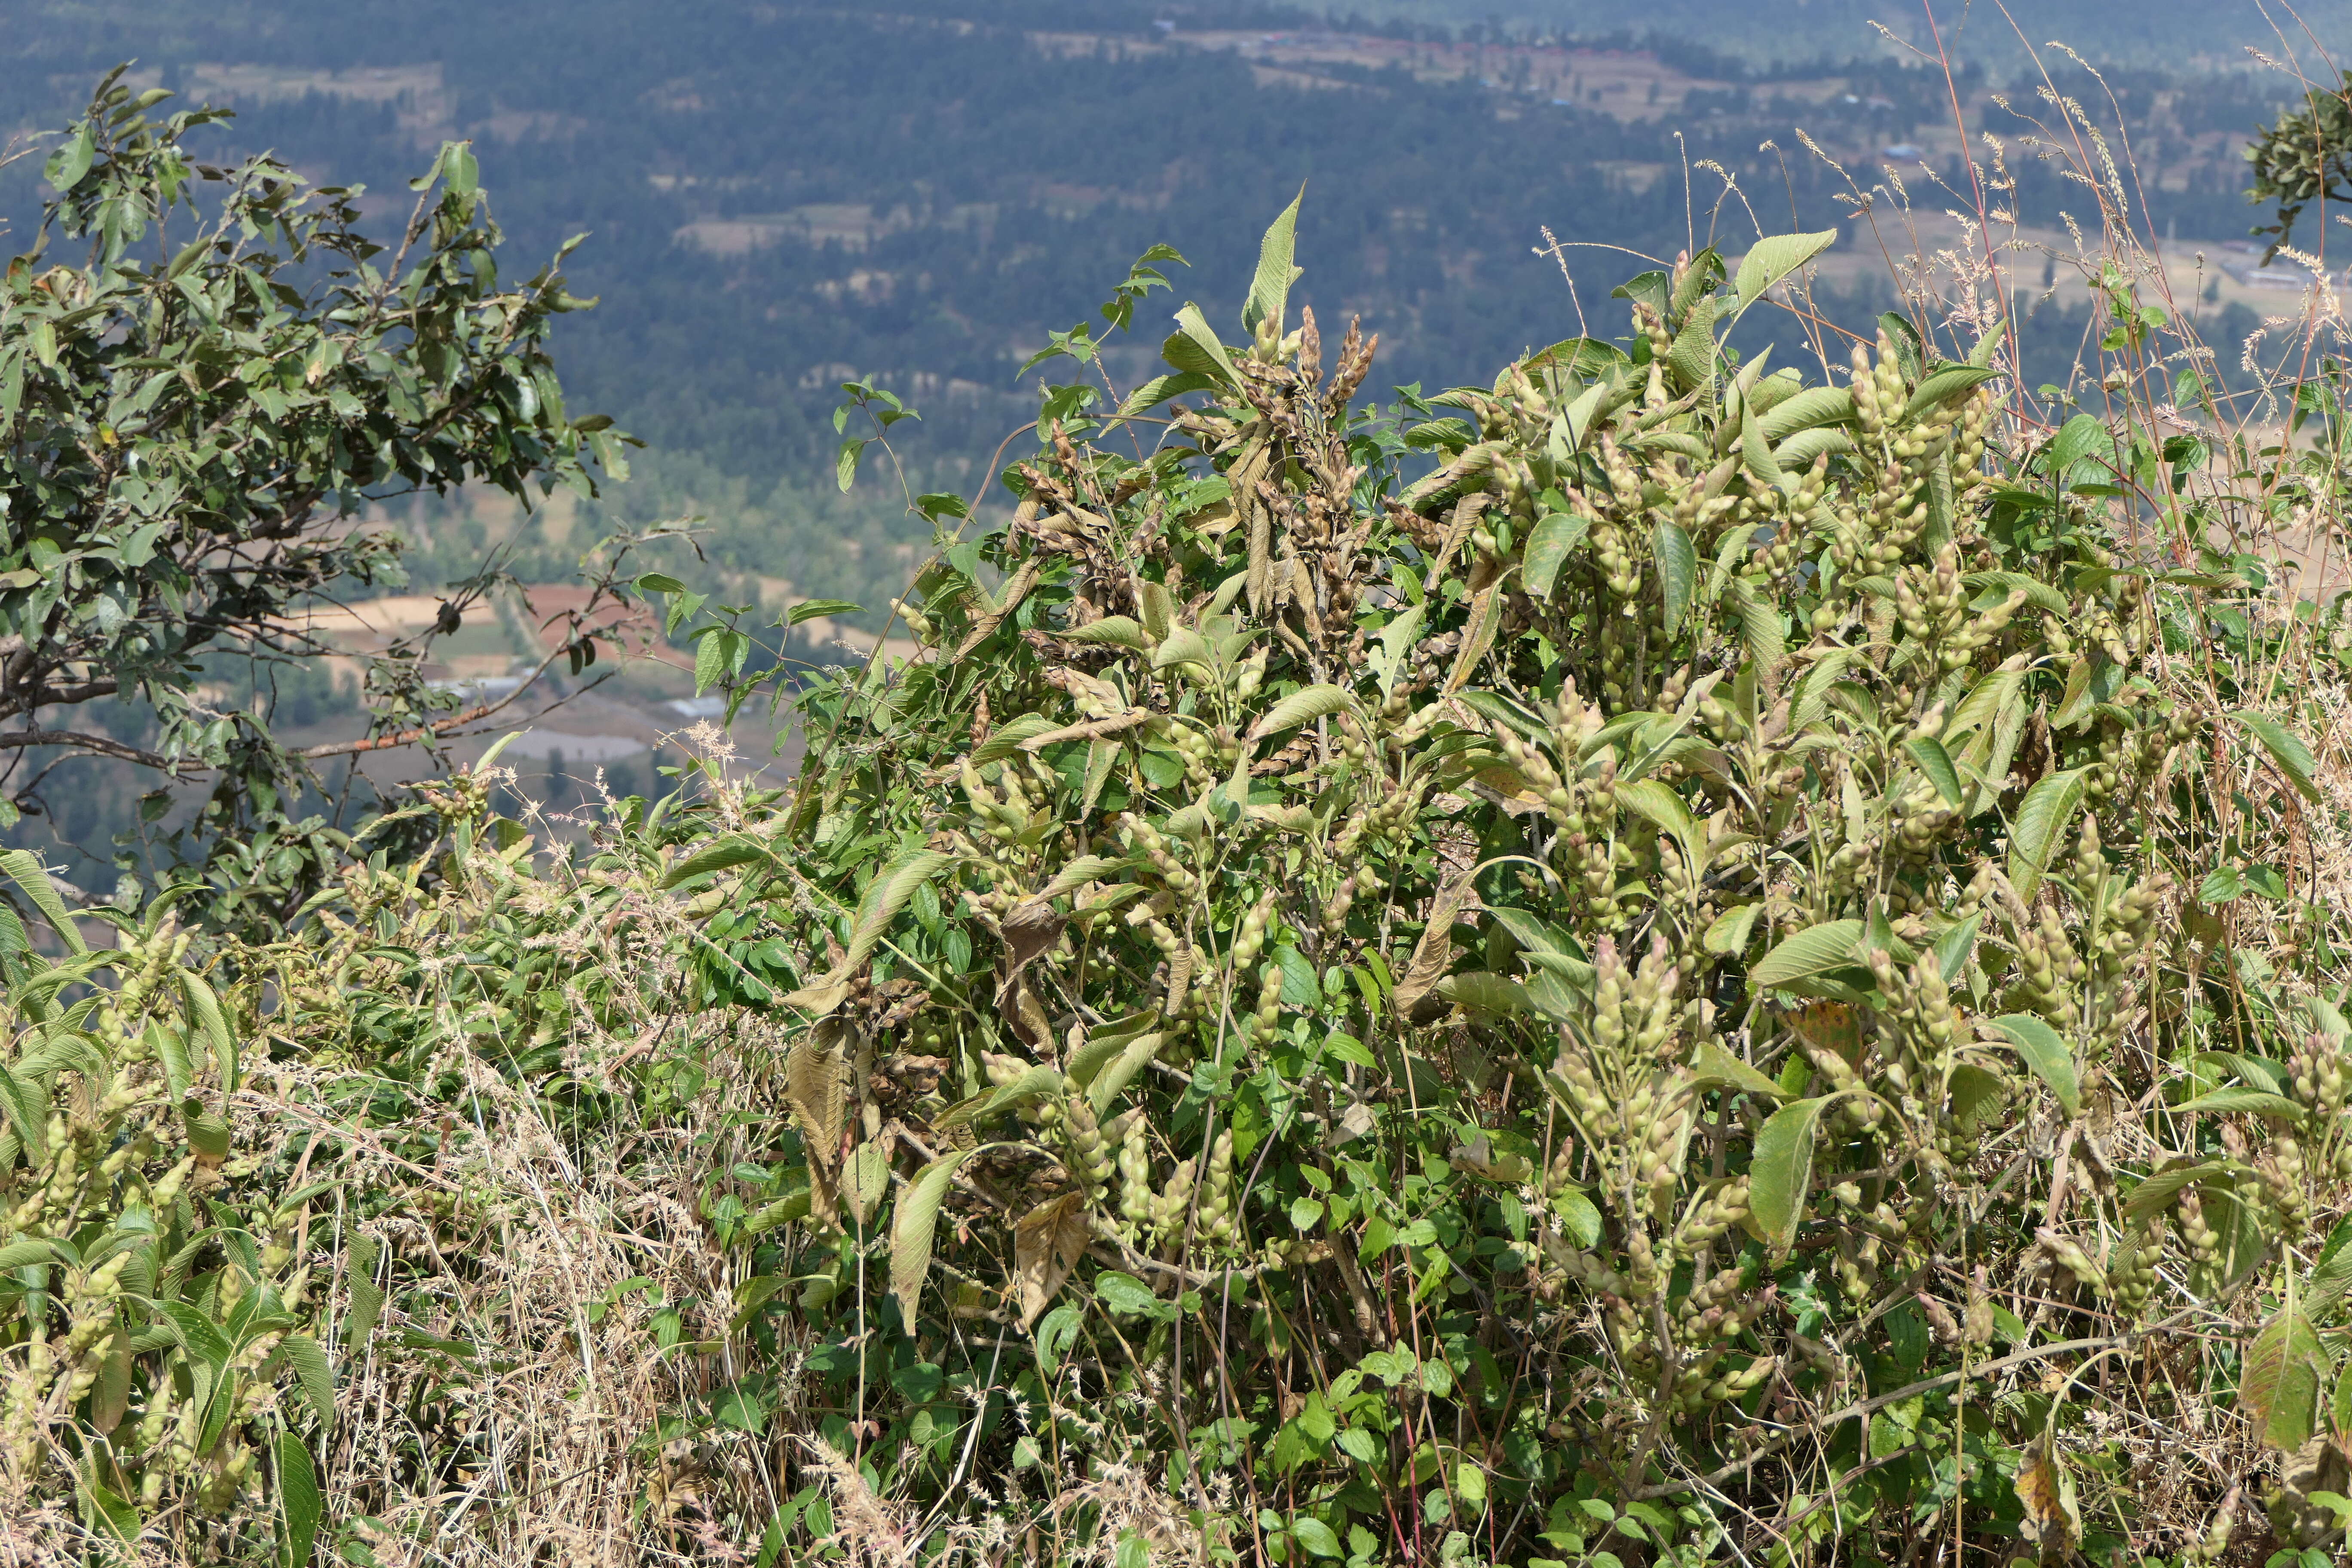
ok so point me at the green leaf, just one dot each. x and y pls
(24, 869)
(1127, 1295)
(1581, 1215)
(1756, 451)
(1532, 932)
(1811, 952)
(26, 1254)
(2046, 1052)
(71, 161)
(1772, 258)
(1270, 290)
(709, 660)
(1397, 639)
(2078, 439)
(1936, 763)
(196, 1335)
(1300, 707)
(303, 1353)
(1711, 1064)
(463, 172)
(115, 1515)
(1677, 572)
(2156, 1194)
(1801, 449)
(1111, 1081)
(866, 1178)
(886, 896)
(367, 1296)
(1548, 549)
(207, 1009)
(2333, 1275)
(1815, 405)
(2253, 1101)
(2041, 826)
(2038, 593)
(1161, 388)
(1731, 931)
(1944, 383)
(1195, 347)
(297, 1501)
(1015, 735)
(29, 1112)
(1692, 358)
(2075, 705)
(735, 850)
(1037, 1081)
(1761, 634)
(1111, 631)
(1664, 810)
(913, 1231)
(1482, 992)
(1952, 949)
(2221, 885)
(1316, 1536)
(1182, 645)
(811, 609)
(207, 1133)
(1782, 1170)
(1078, 873)
(2286, 749)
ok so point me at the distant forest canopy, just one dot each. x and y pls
(782, 197)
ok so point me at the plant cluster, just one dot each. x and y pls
(1606, 968)
(193, 414)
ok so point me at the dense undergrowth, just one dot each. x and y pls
(1648, 964)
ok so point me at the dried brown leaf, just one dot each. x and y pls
(1434, 953)
(816, 1086)
(1047, 1243)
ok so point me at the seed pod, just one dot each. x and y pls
(1217, 1191)
(1135, 1197)
(1174, 1203)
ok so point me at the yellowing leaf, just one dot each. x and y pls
(2279, 1387)
(1548, 549)
(2052, 1519)
(913, 1231)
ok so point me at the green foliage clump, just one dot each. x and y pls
(2299, 158)
(1581, 970)
(193, 414)
(1586, 998)
(162, 1330)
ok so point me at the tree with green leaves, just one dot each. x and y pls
(2303, 156)
(196, 409)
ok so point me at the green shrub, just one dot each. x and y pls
(1617, 1001)
(161, 1332)
(1595, 1002)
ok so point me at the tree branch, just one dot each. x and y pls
(101, 744)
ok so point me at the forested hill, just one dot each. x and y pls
(779, 197)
